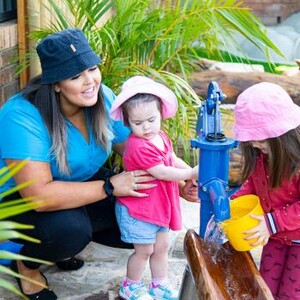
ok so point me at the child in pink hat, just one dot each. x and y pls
(267, 124)
(146, 222)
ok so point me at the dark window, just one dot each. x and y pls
(8, 10)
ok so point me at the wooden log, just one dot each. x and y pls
(233, 83)
(23, 42)
(225, 274)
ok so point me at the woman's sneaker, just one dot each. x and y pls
(163, 291)
(134, 291)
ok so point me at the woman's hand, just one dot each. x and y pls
(129, 183)
(260, 232)
(189, 190)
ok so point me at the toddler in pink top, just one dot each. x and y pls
(145, 222)
(267, 124)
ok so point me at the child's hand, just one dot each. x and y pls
(260, 232)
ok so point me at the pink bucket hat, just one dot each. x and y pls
(264, 110)
(138, 85)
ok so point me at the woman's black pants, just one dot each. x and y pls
(65, 233)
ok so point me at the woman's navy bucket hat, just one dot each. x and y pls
(64, 55)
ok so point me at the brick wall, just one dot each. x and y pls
(9, 82)
(272, 12)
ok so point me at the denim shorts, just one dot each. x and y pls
(136, 231)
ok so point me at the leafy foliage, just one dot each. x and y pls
(9, 229)
(159, 39)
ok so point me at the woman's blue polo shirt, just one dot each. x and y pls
(24, 135)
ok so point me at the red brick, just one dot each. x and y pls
(8, 57)
(269, 10)
(10, 89)
(7, 74)
(8, 34)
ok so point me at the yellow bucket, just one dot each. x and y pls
(240, 221)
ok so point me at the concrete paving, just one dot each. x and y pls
(105, 267)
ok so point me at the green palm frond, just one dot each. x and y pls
(5, 270)
(13, 256)
(9, 285)
(9, 229)
(13, 234)
(9, 171)
(8, 209)
(14, 207)
(160, 39)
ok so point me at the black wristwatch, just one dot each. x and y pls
(108, 187)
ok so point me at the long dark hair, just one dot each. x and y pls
(44, 97)
(283, 161)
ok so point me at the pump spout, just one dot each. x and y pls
(218, 195)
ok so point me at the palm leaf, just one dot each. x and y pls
(5, 270)
(8, 229)
(10, 170)
(13, 256)
(11, 208)
(8, 285)
(13, 234)
(160, 39)
(6, 225)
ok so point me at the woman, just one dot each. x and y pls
(60, 123)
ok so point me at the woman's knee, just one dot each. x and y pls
(60, 238)
(74, 234)
(74, 231)
(65, 229)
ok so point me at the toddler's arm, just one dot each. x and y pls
(179, 163)
(163, 172)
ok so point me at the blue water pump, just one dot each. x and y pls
(214, 149)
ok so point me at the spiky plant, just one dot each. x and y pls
(9, 229)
